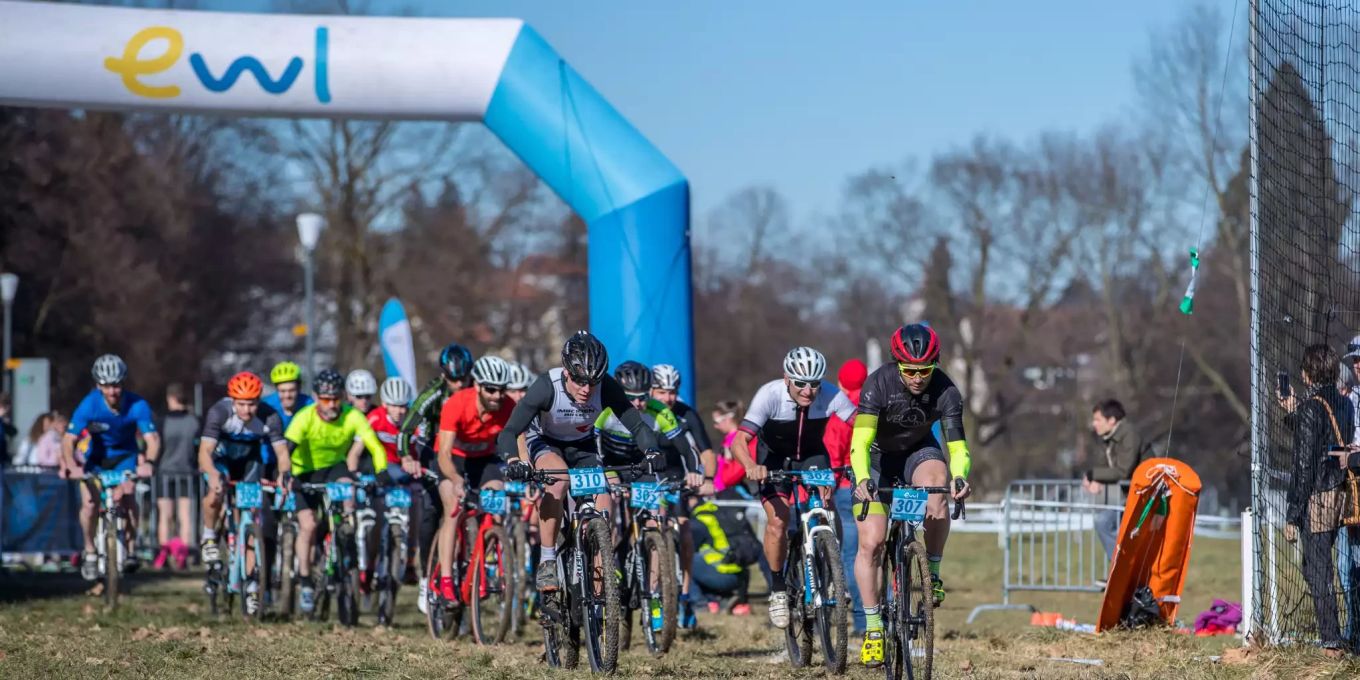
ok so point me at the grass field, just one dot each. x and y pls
(49, 628)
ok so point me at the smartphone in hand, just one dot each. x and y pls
(1282, 384)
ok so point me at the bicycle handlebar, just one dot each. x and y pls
(959, 508)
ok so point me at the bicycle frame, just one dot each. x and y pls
(816, 519)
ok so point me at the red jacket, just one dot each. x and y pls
(837, 436)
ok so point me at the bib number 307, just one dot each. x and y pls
(587, 481)
(909, 505)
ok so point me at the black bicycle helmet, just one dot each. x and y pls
(633, 376)
(455, 361)
(329, 383)
(584, 358)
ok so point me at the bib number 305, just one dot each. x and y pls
(587, 481)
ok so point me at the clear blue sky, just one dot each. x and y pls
(798, 95)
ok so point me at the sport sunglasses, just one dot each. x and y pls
(804, 384)
(911, 371)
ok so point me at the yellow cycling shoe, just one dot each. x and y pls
(871, 654)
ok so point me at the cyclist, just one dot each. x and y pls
(415, 444)
(469, 422)
(360, 386)
(666, 389)
(892, 444)
(788, 416)
(561, 406)
(240, 436)
(520, 379)
(287, 398)
(328, 439)
(113, 418)
(386, 420)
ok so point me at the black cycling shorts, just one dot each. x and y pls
(313, 500)
(890, 468)
(774, 461)
(578, 454)
(476, 472)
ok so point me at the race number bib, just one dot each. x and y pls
(819, 478)
(516, 488)
(587, 481)
(248, 495)
(494, 501)
(339, 492)
(909, 505)
(397, 497)
(110, 478)
(645, 496)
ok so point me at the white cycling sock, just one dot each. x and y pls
(209, 534)
(549, 553)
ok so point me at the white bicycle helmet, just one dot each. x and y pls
(397, 392)
(804, 363)
(361, 383)
(665, 377)
(520, 377)
(109, 369)
(491, 370)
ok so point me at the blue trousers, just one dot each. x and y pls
(849, 547)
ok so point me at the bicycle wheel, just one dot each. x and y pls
(889, 603)
(518, 545)
(287, 569)
(113, 560)
(829, 619)
(393, 568)
(600, 608)
(916, 612)
(439, 615)
(798, 634)
(491, 589)
(254, 532)
(324, 563)
(662, 591)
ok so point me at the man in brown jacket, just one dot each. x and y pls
(1124, 450)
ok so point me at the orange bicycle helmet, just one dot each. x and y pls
(245, 385)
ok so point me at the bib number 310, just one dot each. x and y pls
(587, 481)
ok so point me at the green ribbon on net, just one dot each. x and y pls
(1188, 302)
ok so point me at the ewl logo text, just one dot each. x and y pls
(134, 67)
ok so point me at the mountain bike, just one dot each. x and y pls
(908, 598)
(813, 573)
(241, 528)
(112, 531)
(338, 558)
(646, 555)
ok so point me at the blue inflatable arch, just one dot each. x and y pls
(498, 71)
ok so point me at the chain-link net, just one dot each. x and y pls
(1305, 57)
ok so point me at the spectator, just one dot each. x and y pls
(42, 447)
(1313, 501)
(1124, 450)
(729, 475)
(850, 379)
(176, 479)
(726, 547)
(7, 431)
(1349, 384)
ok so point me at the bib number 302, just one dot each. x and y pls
(909, 505)
(587, 481)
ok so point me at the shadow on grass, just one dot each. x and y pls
(18, 586)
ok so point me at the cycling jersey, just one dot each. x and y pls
(616, 440)
(273, 402)
(694, 423)
(237, 439)
(113, 433)
(558, 421)
(422, 419)
(892, 419)
(474, 434)
(387, 432)
(322, 444)
(784, 427)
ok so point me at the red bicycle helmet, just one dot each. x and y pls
(916, 343)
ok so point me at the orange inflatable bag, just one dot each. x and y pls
(1153, 553)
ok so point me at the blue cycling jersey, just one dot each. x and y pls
(273, 401)
(113, 434)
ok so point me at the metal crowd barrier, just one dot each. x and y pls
(149, 492)
(1048, 540)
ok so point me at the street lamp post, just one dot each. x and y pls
(309, 227)
(9, 285)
